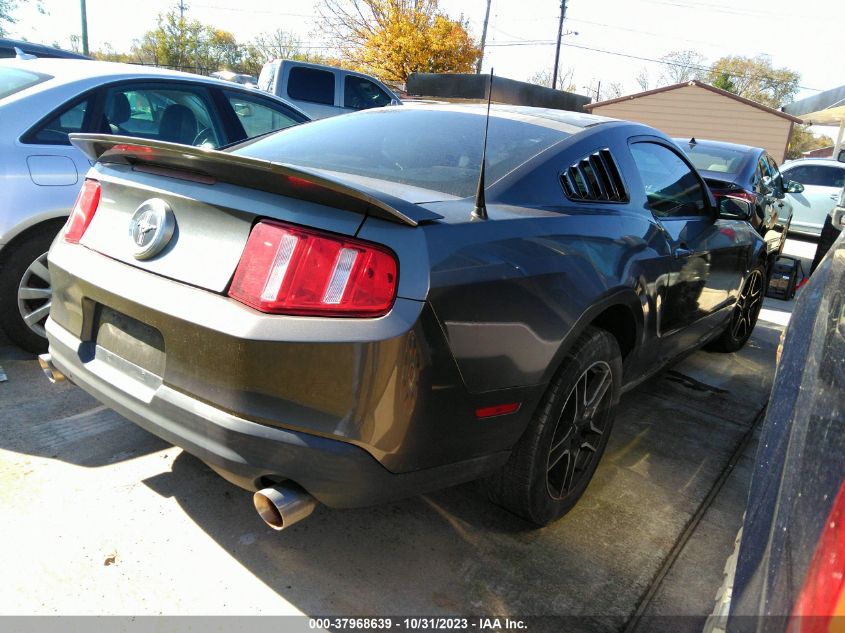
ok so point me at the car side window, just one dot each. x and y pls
(818, 175)
(360, 94)
(672, 188)
(176, 114)
(258, 116)
(774, 173)
(311, 84)
(55, 131)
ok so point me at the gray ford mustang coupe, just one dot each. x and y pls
(346, 313)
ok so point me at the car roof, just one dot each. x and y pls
(39, 49)
(814, 161)
(70, 70)
(723, 144)
(546, 117)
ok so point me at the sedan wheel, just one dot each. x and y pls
(35, 295)
(25, 291)
(552, 464)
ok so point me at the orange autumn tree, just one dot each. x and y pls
(393, 38)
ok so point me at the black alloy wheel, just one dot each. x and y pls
(579, 431)
(745, 312)
(553, 462)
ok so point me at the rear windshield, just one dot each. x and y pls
(439, 150)
(720, 159)
(14, 80)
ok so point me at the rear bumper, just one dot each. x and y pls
(250, 455)
(356, 411)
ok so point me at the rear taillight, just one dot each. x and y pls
(821, 602)
(83, 211)
(742, 194)
(289, 270)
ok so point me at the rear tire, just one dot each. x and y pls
(745, 313)
(25, 292)
(554, 460)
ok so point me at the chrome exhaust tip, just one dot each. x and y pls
(49, 369)
(283, 505)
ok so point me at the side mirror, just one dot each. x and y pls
(735, 209)
(395, 102)
(794, 187)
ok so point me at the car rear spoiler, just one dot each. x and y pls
(210, 166)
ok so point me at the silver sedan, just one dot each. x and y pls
(42, 101)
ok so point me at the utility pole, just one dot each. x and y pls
(483, 39)
(182, 9)
(84, 14)
(559, 36)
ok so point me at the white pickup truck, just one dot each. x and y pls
(324, 91)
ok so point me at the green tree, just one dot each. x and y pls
(179, 42)
(393, 38)
(802, 140)
(723, 81)
(175, 42)
(7, 9)
(754, 78)
(107, 53)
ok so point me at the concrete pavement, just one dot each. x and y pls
(101, 517)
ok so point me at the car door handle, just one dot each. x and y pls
(681, 252)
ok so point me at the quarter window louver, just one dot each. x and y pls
(594, 178)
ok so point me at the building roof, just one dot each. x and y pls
(825, 108)
(699, 84)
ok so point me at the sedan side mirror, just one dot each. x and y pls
(794, 187)
(735, 209)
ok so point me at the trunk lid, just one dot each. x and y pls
(214, 199)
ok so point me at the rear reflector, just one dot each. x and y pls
(83, 211)
(290, 270)
(499, 409)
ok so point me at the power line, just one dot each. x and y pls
(630, 56)
(267, 11)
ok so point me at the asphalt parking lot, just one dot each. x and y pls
(101, 517)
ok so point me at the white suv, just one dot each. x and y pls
(823, 179)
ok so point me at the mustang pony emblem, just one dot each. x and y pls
(151, 228)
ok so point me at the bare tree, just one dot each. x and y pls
(642, 79)
(682, 66)
(278, 44)
(350, 23)
(565, 78)
(613, 90)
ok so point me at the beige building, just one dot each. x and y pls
(696, 109)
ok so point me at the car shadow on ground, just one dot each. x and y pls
(454, 552)
(60, 421)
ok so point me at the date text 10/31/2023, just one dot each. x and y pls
(418, 624)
